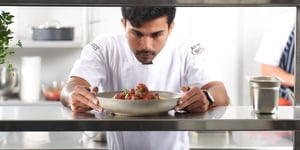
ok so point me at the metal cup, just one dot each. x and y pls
(8, 81)
(264, 93)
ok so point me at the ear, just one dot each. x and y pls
(171, 27)
(123, 23)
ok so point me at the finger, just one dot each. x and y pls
(194, 95)
(92, 103)
(87, 98)
(94, 91)
(75, 103)
(187, 95)
(184, 103)
(78, 103)
(200, 105)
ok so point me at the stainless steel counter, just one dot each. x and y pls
(55, 117)
(52, 116)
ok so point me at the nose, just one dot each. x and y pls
(147, 43)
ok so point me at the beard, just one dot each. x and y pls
(138, 52)
(145, 56)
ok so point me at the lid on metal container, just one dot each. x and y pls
(51, 25)
(264, 81)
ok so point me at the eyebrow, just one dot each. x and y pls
(157, 32)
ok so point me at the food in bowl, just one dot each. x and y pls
(138, 107)
(140, 92)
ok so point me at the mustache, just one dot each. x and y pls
(145, 52)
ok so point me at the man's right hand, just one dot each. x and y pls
(83, 99)
(79, 96)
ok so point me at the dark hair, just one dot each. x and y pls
(137, 15)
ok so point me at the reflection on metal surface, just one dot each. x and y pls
(233, 140)
(209, 138)
(35, 139)
(150, 3)
(264, 116)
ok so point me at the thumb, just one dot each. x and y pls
(94, 90)
(185, 88)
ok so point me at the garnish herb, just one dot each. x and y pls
(125, 91)
(138, 92)
(5, 36)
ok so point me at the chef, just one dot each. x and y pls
(276, 53)
(146, 53)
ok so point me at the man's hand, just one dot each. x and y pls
(83, 99)
(193, 100)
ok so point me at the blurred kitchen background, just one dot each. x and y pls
(232, 34)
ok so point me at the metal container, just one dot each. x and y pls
(8, 81)
(264, 93)
(53, 34)
(52, 31)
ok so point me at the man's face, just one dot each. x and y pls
(149, 39)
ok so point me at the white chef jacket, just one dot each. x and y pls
(108, 62)
(275, 38)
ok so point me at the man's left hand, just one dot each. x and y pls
(193, 100)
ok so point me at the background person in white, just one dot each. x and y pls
(145, 54)
(276, 51)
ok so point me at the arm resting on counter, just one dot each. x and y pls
(219, 93)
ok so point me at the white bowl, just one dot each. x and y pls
(138, 107)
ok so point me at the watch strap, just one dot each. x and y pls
(209, 97)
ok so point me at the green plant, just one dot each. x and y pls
(6, 35)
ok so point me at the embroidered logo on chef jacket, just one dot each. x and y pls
(95, 46)
(197, 49)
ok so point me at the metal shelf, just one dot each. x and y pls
(50, 44)
(191, 3)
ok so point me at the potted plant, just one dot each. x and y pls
(8, 75)
(6, 35)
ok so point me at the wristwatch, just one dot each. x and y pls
(209, 97)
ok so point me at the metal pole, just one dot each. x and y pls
(297, 77)
(297, 64)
